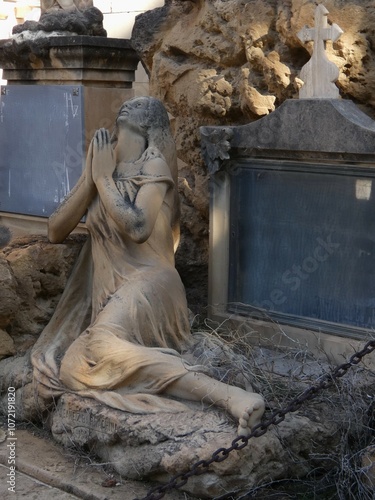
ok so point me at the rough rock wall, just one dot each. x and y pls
(218, 62)
(33, 275)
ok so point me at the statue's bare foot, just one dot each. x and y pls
(247, 408)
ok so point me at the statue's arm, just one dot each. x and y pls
(69, 213)
(135, 220)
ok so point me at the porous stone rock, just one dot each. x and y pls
(159, 446)
(16, 373)
(6, 345)
(41, 58)
(88, 23)
(5, 235)
(33, 274)
(9, 300)
(237, 61)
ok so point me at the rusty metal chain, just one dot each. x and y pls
(276, 417)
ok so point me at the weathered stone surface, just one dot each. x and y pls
(45, 471)
(34, 57)
(89, 22)
(16, 372)
(6, 345)
(162, 445)
(33, 275)
(237, 61)
(9, 300)
(5, 236)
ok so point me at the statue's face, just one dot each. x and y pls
(133, 112)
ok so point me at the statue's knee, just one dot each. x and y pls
(70, 373)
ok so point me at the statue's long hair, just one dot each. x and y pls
(157, 131)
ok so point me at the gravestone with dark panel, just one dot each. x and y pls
(42, 146)
(60, 90)
(292, 234)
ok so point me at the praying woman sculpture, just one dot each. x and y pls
(122, 322)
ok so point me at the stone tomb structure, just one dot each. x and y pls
(292, 215)
(61, 88)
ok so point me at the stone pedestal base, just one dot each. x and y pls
(35, 58)
(159, 446)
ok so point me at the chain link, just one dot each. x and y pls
(276, 417)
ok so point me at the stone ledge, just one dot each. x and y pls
(43, 461)
(78, 59)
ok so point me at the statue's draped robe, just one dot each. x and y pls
(122, 321)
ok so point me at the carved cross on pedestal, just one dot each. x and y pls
(319, 74)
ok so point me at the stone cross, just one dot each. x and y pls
(319, 74)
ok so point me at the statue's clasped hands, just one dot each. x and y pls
(103, 158)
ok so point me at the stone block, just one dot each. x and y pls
(71, 60)
(158, 446)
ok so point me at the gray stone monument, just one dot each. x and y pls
(292, 236)
(65, 79)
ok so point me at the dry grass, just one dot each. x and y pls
(280, 375)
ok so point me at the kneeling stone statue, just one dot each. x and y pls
(121, 328)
